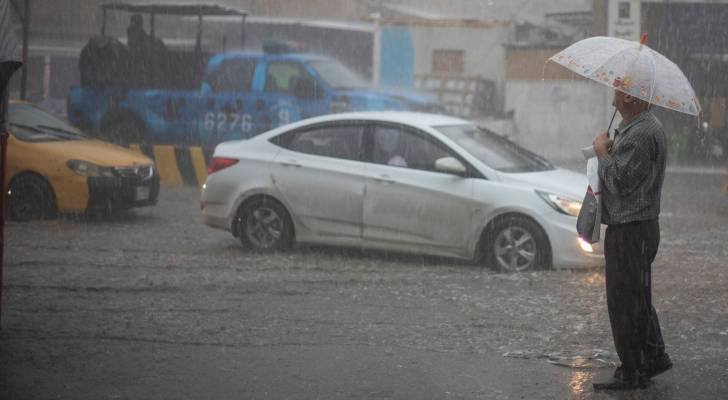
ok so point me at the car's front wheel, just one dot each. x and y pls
(31, 198)
(265, 226)
(516, 244)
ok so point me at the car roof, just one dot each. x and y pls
(413, 118)
(416, 119)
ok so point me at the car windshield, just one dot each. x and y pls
(493, 150)
(31, 124)
(337, 75)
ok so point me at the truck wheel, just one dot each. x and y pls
(124, 131)
(31, 198)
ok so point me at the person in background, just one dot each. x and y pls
(136, 38)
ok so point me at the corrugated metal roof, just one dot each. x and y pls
(345, 25)
(512, 10)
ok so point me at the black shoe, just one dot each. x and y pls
(635, 380)
(658, 365)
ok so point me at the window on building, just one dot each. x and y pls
(624, 9)
(449, 62)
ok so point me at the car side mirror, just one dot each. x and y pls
(450, 165)
(307, 88)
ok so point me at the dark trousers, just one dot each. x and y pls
(629, 250)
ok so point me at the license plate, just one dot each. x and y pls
(142, 193)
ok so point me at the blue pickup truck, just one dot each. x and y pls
(141, 91)
(241, 94)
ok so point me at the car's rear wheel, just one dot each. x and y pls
(265, 226)
(516, 244)
(31, 198)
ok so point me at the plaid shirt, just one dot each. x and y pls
(633, 171)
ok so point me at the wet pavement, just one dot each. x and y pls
(154, 305)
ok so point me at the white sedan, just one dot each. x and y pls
(398, 181)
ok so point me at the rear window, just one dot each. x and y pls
(337, 141)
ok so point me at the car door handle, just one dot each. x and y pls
(384, 178)
(291, 163)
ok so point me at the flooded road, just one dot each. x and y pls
(153, 304)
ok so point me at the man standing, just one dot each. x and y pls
(632, 170)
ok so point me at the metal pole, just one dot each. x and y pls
(26, 33)
(198, 45)
(8, 67)
(198, 37)
(376, 50)
(6, 71)
(242, 35)
(3, 156)
(151, 25)
(103, 22)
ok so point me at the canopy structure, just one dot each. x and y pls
(175, 8)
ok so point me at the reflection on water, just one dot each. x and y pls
(595, 278)
(579, 382)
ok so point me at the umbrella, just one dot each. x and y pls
(633, 68)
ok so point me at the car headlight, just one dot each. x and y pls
(562, 204)
(85, 168)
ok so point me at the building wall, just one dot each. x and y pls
(557, 118)
(556, 112)
(483, 57)
(531, 64)
(327, 9)
(483, 49)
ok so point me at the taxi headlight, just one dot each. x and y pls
(85, 168)
(562, 204)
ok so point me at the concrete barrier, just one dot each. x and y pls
(177, 165)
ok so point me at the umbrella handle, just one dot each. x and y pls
(610, 122)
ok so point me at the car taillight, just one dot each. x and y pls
(218, 163)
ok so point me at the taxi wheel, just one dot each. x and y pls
(31, 198)
(516, 243)
(265, 226)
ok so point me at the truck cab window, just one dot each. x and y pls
(283, 76)
(233, 76)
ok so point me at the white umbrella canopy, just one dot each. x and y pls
(633, 68)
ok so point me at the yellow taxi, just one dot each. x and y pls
(53, 168)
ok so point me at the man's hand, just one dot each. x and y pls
(602, 144)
